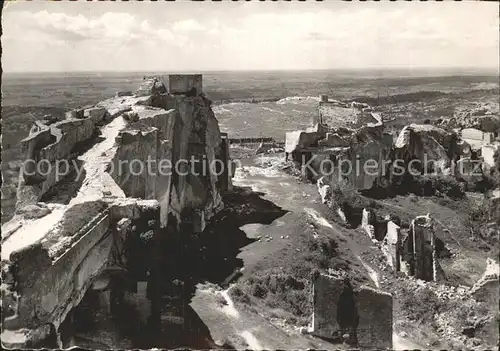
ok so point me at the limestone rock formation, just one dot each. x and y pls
(345, 140)
(52, 252)
(151, 86)
(485, 117)
(432, 146)
(486, 288)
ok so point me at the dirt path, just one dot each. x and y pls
(250, 329)
(243, 328)
(399, 343)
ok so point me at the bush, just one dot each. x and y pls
(258, 290)
(238, 295)
(421, 304)
(494, 174)
(438, 185)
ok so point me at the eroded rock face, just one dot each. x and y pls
(151, 86)
(432, 146)
(55, 251)
(486, 288)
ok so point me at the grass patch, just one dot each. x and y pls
(284, 283)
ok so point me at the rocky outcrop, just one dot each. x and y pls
(338, 114)
(486, 288)
(433, 147)
(303, 141)
(484, 117)
(151, 86)
(54, 252)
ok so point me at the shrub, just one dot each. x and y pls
(421, 304)
(237, 294)
(428, 185)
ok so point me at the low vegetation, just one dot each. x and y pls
(451, 318)
(287, 286)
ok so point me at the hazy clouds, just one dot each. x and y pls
(226, 36)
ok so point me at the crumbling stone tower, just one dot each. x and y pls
(419, 257)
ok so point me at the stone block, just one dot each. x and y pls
(185, 83)
(487, 153)
(327, 290)
(390, 246)
(96, 114)
(374, 310)
(75, 114)
(123, 93)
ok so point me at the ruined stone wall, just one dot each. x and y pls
(51, 144)
(326, 294)
(363, 313)
(374, 309)
(49, 287)
(30, 148)
(47, 273)
(423, 247)
(68, 134)
(184, 83)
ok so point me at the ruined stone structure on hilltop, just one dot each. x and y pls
(69, 232)
(342, 115)
(351, 132)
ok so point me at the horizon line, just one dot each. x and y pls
(383, 68)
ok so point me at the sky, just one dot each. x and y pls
(193, 36)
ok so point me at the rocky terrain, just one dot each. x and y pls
(70, 230)
(280, 253)
(441, 238)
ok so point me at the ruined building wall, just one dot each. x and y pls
(364, 313)
(55, 251)
(390, 245)
(423, 247)
(374, 308)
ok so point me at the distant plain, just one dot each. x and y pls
(247, 104)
